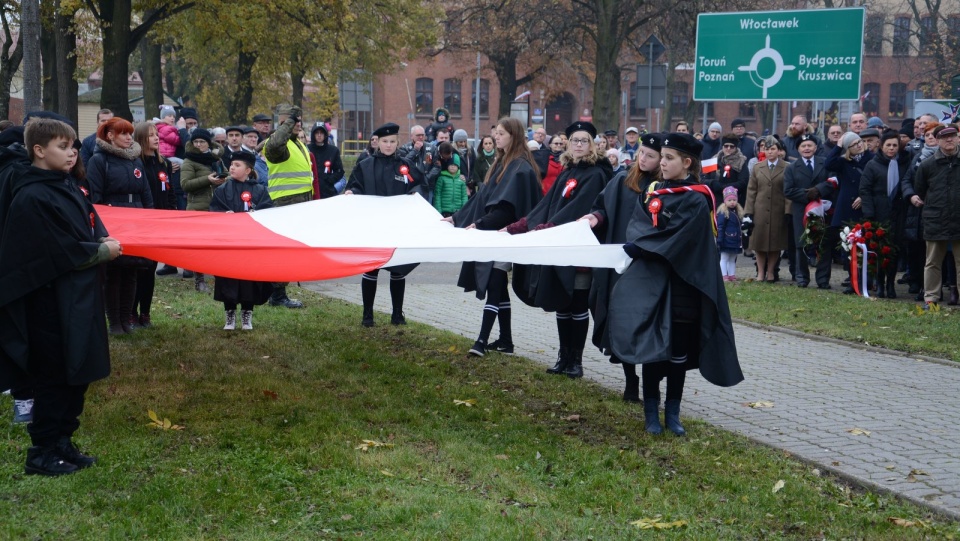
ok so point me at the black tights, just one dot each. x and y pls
(368, 289)
(233, 305)
(683, 337)
(146, 282)
(497, 308)
(573, 321)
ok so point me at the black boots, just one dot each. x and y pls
(280, 298)
(631, 390)
(671, 417)
(651, 415)
(71, 454)
(563, 360)
(47, 461)
(575, 368)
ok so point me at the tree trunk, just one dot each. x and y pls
(115, 29)
(243, 95)
(30, 30)
(48, 58)
(67, 86)
(297, 75)
(506, 69)
(152, 76)
(9, 64)
(606, 85)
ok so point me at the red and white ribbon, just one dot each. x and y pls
(405, 171)
(326, 167)
(568, 188)
(246, 197)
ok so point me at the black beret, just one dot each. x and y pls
(684, 142)
(651, 141)
(188, 112)
(50, 115)
(387, 129)
(202, 133)
(582, 126)
(245, 157)
(233, 128)
(737, 122)
(610, 133)
(262, 118)
(811, 137)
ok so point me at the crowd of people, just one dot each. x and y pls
(683, 207)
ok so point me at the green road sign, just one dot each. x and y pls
(779, 55)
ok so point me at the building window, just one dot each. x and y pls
(898, 100)
(928, 33)
(680, 99)
(748, 109)
(635, 110)
(871, 99)
(901, 36)
(424, 96)
(873, 35)
(451, 96)
(953, 32)
(484, 96)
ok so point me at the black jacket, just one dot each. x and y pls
(382, 175)
(159, 178)
(329, 174)
(876, 203)
(229, 197)
(937, 182)
(116, 177)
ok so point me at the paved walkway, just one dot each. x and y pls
(820, 391)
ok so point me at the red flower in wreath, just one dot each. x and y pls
(867, 225)
(881, 233)
(885, 263)
(868, 235)
(885, 250)
(872, 245)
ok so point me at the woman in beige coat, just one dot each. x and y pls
(766, 204)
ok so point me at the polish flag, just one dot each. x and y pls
(708, 166)
(338, 237)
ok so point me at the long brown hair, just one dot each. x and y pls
(517, 150)
(141, 134)
(635, 174)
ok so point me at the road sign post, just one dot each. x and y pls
(779, 55)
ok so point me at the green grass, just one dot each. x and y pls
(890, 324)
(273, 420)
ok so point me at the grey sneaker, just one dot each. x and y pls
(246, 318)
(23, 411)
(231, 323)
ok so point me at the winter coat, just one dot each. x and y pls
(451, 192)
(912, 224)
(710, 147)
(88, 147)
(552, 172)
(436, 126)
(738, 176)
(169, 139)
(328, 175)
(937, 182)
(848, 173)
(116, 177)
(159, 178)
(381, 175)
(748, 147)
(797, 179)
(729, 235)
(194, 172)
(767, 204)
(484, 163)
(876, 203)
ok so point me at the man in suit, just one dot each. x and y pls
(805, 180)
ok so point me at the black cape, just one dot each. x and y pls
(229, 196)
(549, 287)
(520, 187)
(639, 317)
(327, 153)
(47, 230)
(381, 176)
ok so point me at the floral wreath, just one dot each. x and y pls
(874, 244)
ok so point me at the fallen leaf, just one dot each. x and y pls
(859, 432)
(366, 445)
(778, 486)
(452, 349)
(387, 473)
(502, 457)
(470, 402)
(904, 523)
(265, 357)
(571, 418)
(890, 466)
(270, 394)
(760, 404)
(918, 472)
(346, 517)
(657, 523)
(163, 424)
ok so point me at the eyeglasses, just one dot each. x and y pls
(729, 146)
(579, 141)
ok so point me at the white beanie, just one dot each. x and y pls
(715, 126)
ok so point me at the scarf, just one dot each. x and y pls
(489, 154)
(893, 176)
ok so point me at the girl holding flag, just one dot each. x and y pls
(669, 309)
(242, 193)
(565, 290)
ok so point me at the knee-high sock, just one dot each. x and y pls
(398, 285)
(368, 290)
(496, 294)
(652, 374)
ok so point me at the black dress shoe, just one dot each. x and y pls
(47, 461)
(166, 270)
(187, 273)
(823, 286)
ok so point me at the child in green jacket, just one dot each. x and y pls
(450, 193)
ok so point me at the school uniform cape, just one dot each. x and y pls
(640, 316)
(571, 196)
(53, 237)
(520, 186)
(229, 197)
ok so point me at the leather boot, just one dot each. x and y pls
(954, 296)
(631, 389)
(651, 415)
(881, 287)
(671, 417)
(563, 359)
(47, 461)
(71, 454)
(575, 368)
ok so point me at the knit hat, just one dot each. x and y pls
(459, 135)
(848, 139)
(166, 110)
(188, 112)
(737, 122)
(730, 192)
(715, 126)
(202, 133)
(874, 122)
(907, 127)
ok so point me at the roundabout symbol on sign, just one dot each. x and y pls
(772, 54)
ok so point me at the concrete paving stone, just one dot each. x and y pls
(820, 389)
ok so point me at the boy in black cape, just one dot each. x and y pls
(669, 309)
(53, 335)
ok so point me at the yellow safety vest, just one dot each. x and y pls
(291, 177)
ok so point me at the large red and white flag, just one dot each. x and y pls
(338, 237)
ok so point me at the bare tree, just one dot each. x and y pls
(30, 30)
(10, 56)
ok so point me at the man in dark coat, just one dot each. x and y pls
(441, 123)
(327, 156)
(805, 180)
